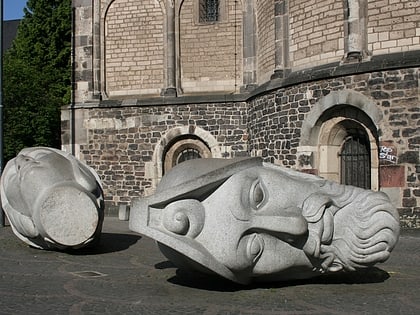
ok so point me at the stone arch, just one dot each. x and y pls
(106, 6)
(182, 133)
(182, 148)
(329, 123)
(346, 97)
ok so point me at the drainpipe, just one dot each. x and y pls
(73, 83)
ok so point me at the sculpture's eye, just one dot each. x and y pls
(257, 195)
(255, 247)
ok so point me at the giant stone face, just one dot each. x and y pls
(251, 221)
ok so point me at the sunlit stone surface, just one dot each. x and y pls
(246, 220)
(52, 200)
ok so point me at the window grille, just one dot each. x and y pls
(209, 11)
(188, 154)
(355, 162)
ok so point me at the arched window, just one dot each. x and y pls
(208, 11)
(188, 154)
(181, 149)
(355, 168)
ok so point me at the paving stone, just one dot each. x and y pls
(126, 274)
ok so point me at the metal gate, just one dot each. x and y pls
(355, 162)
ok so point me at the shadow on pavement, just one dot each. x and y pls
(216, 283)
(108, 243)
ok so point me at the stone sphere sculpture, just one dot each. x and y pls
(246, 220)
(51, 199)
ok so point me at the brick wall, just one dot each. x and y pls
(393, 26)
(121, 141)
(211, 53)
(316, 32)
(134, 56)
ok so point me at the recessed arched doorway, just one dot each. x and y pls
(348, 148)
(337, 121)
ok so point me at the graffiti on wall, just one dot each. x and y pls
(387, 153)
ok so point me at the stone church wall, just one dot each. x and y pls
(266, 40)
(316, 32)
(276, 119)
(149, 72)
(133, 49)
(121, 141)
(211, 63)
(393, 26)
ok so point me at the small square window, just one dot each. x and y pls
(208, 11)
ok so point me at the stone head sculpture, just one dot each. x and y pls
(252, 221)
(52, 200)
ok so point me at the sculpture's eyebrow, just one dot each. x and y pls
(162, 199)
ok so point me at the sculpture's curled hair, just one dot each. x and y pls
(366, 227)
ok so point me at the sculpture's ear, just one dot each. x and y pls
(184, 217)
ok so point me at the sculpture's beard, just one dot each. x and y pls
(350, 228)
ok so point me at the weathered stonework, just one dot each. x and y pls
(276, 119)
(289, 81)
(121, 142)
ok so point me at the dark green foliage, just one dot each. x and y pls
(37, 72)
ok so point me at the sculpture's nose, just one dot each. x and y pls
(290, 221)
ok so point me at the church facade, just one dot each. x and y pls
(325, 87)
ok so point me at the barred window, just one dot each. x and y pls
(188, 154)
(184, 148)
(208, 11)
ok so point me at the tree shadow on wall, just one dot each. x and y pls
(217, 283)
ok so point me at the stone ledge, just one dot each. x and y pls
(376, 63)
(401, 60)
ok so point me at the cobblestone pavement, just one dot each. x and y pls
(126, 274)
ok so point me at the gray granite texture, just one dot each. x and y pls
(51, 199)
(247, 220)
